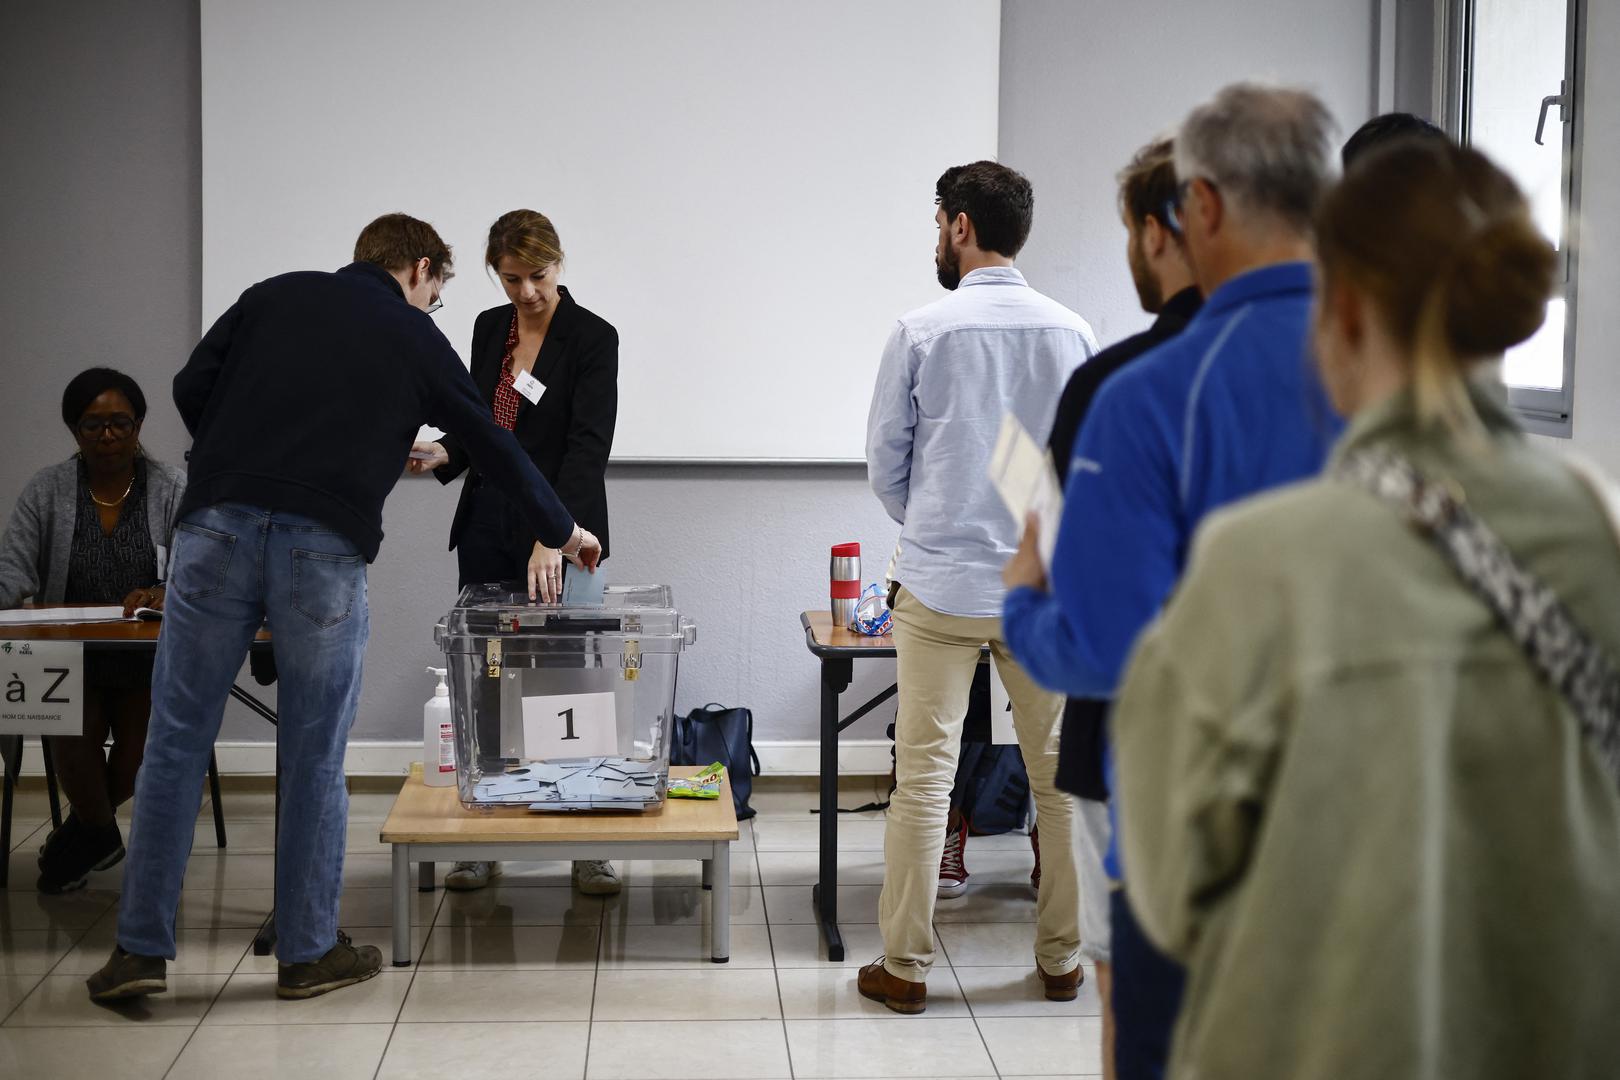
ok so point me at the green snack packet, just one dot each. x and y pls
(704, 785)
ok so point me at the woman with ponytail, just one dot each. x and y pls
(1384, 703)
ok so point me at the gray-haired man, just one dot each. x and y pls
(1227, 409)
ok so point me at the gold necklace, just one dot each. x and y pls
(116, 502)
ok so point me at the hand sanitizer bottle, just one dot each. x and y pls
(438, 736)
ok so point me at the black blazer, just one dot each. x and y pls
(569, 433)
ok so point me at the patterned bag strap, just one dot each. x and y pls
(1532, 614)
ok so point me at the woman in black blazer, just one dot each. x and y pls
(549, 370)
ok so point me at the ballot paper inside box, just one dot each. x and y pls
(563, 707)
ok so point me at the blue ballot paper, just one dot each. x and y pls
(583, 588)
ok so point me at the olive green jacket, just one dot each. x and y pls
(1351, 806)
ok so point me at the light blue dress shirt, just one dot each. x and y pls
(950, 371)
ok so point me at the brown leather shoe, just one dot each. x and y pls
(1061, 987)
(875, 982)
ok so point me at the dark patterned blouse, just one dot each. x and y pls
(104, 569)
(507, 399)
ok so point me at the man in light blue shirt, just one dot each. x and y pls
(949, 374)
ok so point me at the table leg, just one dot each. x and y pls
(424, 878)
(402, 905)
(835, 677)
(264, 943)
(719, 869)
(50, 783)
(708, 873)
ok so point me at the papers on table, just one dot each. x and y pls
(601, 783)
(57, 615)
(1027, 483)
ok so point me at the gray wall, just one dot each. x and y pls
(101, 222)
(101, 175)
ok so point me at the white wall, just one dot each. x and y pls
(745, 547)
(670, 142)
(1084, 83)
(102, 217)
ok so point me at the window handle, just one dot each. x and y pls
(1561, 99)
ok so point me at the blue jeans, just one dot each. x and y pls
(1147, 990)
(234, 567)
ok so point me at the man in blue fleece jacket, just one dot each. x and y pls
(1228, 408)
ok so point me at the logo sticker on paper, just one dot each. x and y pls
(570, 726)
(43, 692)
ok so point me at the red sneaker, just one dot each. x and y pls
(953, 873)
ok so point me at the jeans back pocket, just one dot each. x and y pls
(324, 586)
(200, 561)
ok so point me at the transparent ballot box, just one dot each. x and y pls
(560, 707)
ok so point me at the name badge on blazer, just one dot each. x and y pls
(529, 386)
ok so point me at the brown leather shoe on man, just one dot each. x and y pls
(126, 975)
(1061, 987)
(875, 982)
(343, 965)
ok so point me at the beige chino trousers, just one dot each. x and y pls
(936, 657)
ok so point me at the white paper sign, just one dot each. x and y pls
(529, 386)
(43, 687)
(1027, 483)
(1002, 732)
(569, 726)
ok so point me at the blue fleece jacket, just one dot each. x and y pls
(1228, 408)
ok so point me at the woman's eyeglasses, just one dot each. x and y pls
(91, 427)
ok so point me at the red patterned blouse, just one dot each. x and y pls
(506, 395)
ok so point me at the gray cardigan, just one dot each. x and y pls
(38, 541)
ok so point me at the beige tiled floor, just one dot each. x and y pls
(528, 970)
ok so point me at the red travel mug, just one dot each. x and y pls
(845, 583)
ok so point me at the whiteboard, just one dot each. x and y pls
(744, 188)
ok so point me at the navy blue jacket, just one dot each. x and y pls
(306, 396)
(1082, 744)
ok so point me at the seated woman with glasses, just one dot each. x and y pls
(92, 530)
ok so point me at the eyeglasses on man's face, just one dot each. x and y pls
(122, 427)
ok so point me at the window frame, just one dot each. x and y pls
(1546, 412)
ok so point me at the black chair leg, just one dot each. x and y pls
(50, 782)
(213, 792)
(8, 785)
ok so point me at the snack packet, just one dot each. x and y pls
(704, 785)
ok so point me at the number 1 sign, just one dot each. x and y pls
(570, 726)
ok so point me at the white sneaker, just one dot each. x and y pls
(596, 877)
(471, 875)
